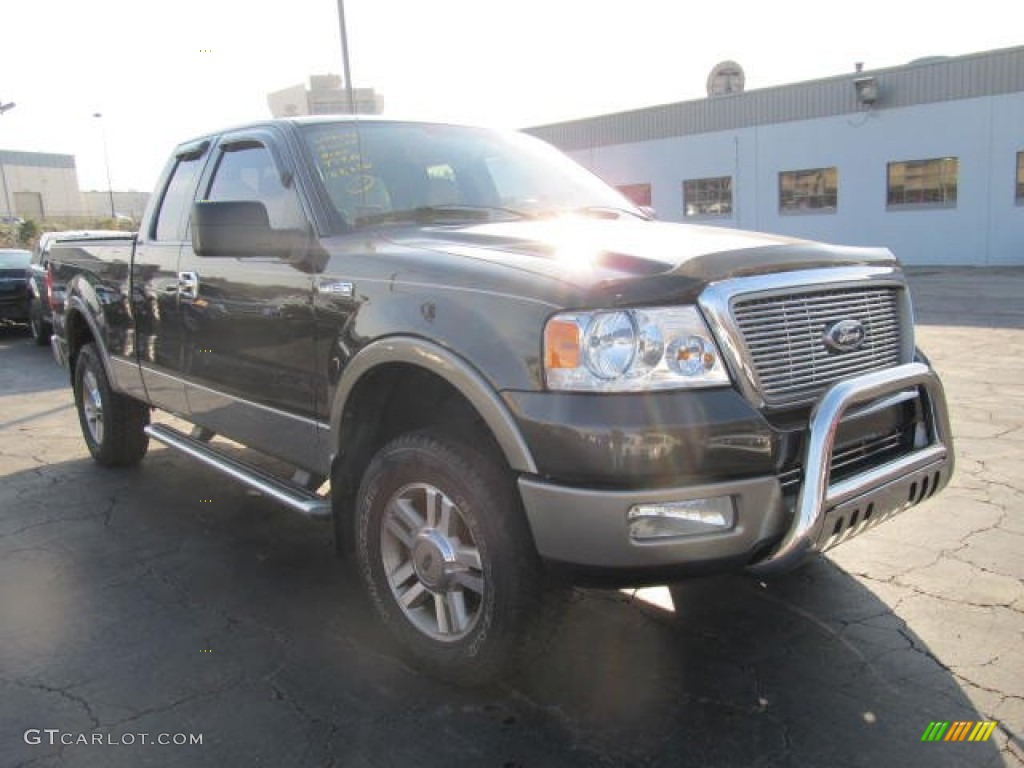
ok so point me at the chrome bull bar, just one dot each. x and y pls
(880, 491)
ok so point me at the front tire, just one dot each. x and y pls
(113, 425)
(446, 555)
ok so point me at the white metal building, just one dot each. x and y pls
(36, 185)
(927, 158)
(126, 203)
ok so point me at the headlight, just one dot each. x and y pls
(631, 350)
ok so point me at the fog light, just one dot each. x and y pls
(681, 518)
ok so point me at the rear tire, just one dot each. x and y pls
(446, 555)
(37, 326)
(112, 424)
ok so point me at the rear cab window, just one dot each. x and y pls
(171, 217)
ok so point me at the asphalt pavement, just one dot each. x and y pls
(166, 603)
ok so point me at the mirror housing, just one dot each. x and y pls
(240, 228)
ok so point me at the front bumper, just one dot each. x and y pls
(14, 308)
(589, 527)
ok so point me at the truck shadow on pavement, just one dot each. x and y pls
(166, 599)
(27, 367)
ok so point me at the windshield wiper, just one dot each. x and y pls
(607, 212)
(431, 214)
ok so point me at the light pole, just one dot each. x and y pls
(3, 171)
(344, 58)
(106, 163)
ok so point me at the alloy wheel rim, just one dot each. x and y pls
(432, 562)
(92, 405)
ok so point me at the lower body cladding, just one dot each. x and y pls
(748, 522)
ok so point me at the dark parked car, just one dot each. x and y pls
(41, 292)
(13, 292)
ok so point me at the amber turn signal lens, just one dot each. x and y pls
(561, 344)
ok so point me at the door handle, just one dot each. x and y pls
(188, 285)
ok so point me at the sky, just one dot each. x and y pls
(161, 72)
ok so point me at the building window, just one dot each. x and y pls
(929, 183)
(814, 189)
(639, 194)
(1020, 178)
(708, 197)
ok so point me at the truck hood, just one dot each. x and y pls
(592, 254)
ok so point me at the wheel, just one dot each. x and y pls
(38, 327)
(446, 555)
(112, 424)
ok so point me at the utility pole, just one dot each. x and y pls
(3, 171)
(106, 163)
(344, 58)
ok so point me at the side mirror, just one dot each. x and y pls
(238, 229)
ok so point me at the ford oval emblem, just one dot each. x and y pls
(844, 335)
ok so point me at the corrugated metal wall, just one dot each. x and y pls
(964, 77)
(36, 159)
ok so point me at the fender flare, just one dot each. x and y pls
(75, 304)
(450, 367)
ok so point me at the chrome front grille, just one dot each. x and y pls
(784, 337)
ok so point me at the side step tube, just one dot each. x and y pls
(298, 498)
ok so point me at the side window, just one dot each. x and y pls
(923, 183)
(814, 189)
(249, 173)
(177, 198)
(1020, 178)
(707, 197)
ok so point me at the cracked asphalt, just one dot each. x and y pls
(130, 604)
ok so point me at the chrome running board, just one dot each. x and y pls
(294, 496)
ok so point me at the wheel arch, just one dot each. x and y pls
(404, 384)
(81, 328)
(446, 365)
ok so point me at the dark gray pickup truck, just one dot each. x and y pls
(503, 369)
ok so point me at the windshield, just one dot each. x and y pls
(14, 259)
(387, 172)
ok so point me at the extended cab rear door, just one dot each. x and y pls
(249, 353)
(155, 305)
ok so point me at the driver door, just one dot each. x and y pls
(248, 352)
